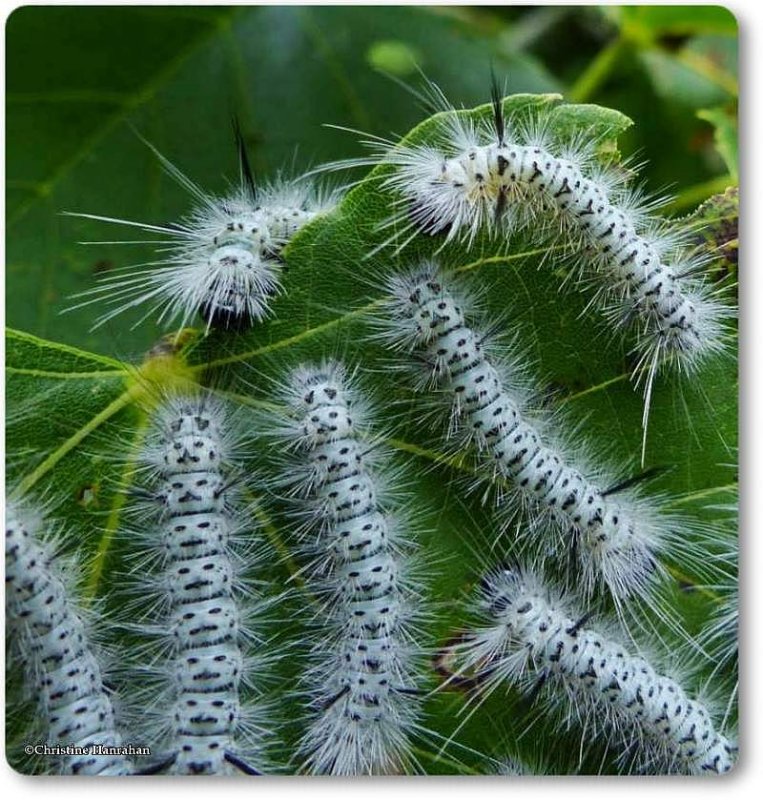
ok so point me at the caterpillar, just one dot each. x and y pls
(223, 261)
(507, 174)
(719, 636)
(616, 535)
(49, 633)
(363, 682)
(198, 711)
(529, 637)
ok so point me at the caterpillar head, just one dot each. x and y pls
(315, 386)
(241, 280)
(248, 229)
(321, 402)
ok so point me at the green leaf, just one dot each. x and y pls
(724, 121)
(715, 57)
(650, 22)
(672, 78)
(68, 409)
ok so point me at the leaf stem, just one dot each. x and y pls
(289, 340)
(270, 530)
(597, 72)
(114, 407)
(117, 504)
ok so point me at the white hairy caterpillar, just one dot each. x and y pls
(48, 631)
(513, 767)
(363, 680)
(532, 639)
(721, 631)
(509, 174)
(616, 534)
(198, 714)
(223, 261)
(720, 635)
